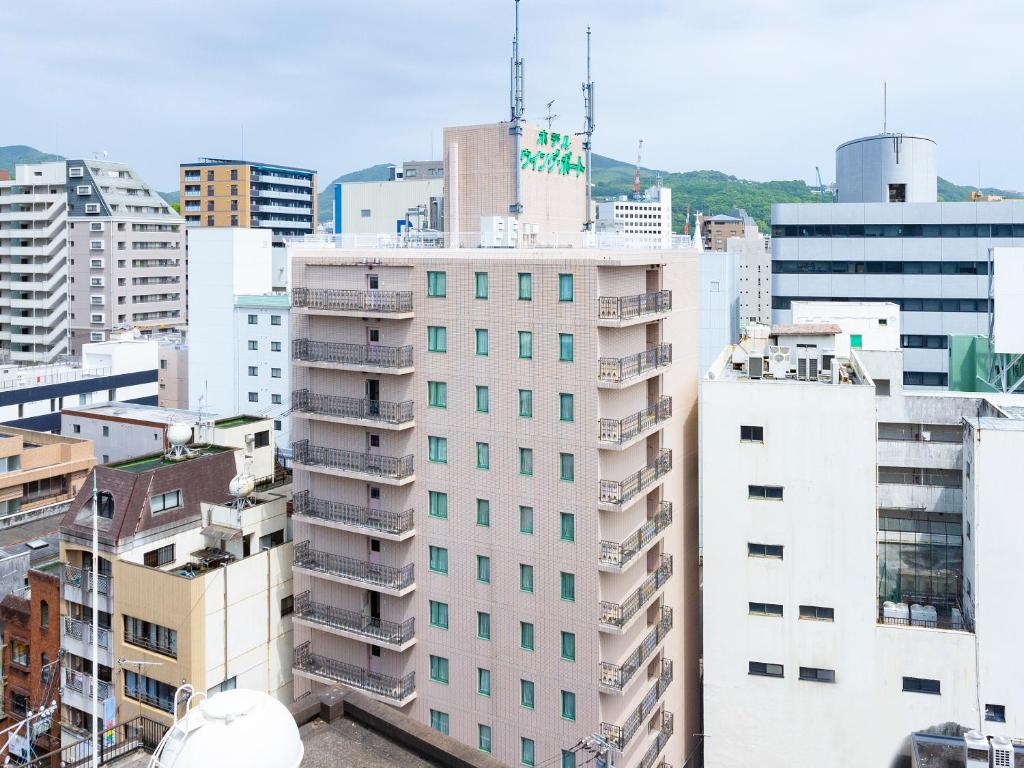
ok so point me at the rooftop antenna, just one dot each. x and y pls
(588, 132)
(636, 173)
(550, 117)
(885, 107)
(516, 109)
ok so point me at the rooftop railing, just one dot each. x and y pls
(375, 574)
(433, 239)
(352, 407)
(373, 355)
(618, 614)
(379, 520)
(343, 300)
(620, 369)
(138, 734)
(621, 491)
(395, 467)
(621, 430)
(376, 630)
(394, 688)
(618, 675)
(621, 735)
(629, 307)
(619, 554)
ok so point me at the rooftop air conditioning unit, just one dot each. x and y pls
(976, 750)
(755, 367)
(778, 362)
(1002, 752)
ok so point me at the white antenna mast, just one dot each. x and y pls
(588, 133)
(885, 107)
(517, 102)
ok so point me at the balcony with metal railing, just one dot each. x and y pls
(76, 638)
(381, 523)
(77, 587)
(620, 311)
(615, 556)
(664, 731)
(615, 677)
(397, 691)
(391, 470)
(354, 624)
(371, 358)
(619, 434)
(615, 494)
(77, 690)
(616, 617)
(163, 646)
(353, 303)
(617, 372)
(359, 411)
(621, 735)
(391, 580)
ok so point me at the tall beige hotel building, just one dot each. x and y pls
(495, 467)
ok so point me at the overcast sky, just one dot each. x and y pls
(763, 89)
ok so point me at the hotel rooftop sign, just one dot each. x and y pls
(552, 153)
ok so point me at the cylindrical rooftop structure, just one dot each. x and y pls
(887, 168)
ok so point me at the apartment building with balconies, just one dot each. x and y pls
(194, 579)
(126, 254)
(495, 519)
(851, 570)
(240, 193)
(39, 471)
(34, 264)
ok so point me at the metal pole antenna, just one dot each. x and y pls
(516, 109)
(95, 621)
(588, 133)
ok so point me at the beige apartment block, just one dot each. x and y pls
(496, 492)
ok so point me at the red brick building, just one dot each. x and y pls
(31, 648)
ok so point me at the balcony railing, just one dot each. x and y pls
(665, 729)
(81, 631)
(372, 355)
(395, 467)
(77, 577)
(160, 702)
(619, 369)
(629, 307)
(352, 407)
(375, 574)
(618, 614)
(394, 688)
(377, 630)
(620, 735)
(379, 520)
(621, 491)
(81, 683)
(164, 647)
(618, 675)
(621, 430)
(352, 301)
(617, 555)
(948, 614)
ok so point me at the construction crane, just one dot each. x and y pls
(636, 173)
(821, 187)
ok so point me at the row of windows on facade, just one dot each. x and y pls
(905, 305)
(98, 226)
(440, 721)
(255, 319)
(254, 345)
(438, 563)
(438, 508)
(780, 267)
(437, 285)
(254, 370)
(437, 397)
(437, 341)
(898, 230)
(437, 452)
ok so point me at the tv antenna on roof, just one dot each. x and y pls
(550, 117)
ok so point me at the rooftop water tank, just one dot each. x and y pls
(887, 168)
(179, 433)
(233, 729)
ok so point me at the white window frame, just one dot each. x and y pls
(83, 189)
(92, 207)
(97, 317)
(97, 301)
(96, 263)
(95, 226)
(97, 336)
(76, 172)
(95, 245)
(96, 281)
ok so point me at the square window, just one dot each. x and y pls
(568, 705)
(252, 319)
(483, 737)
(751, 434)
(480, 284)
(437, 449)
(438, 559)
(275, 400)
(437, 394)
(567, 526)
(483, 513)
(568, 646)
(526, 461)
(525, 345)
(275, 373)
(526, 635)
(438, 614)
(254, 397)
(526, 520)
(856, 340)
(995, 713)
(275, 319)
(483, 569)
(565, 287)
(483, 400)
(254, 371)
(483, 456)
(437, 338)
(567, 582)
(567, 467)
(438, 504)
(275, 346)
(565, 350)
(525, 286)
(483, 625)
(565, 407)
(483, 681)
(437, 284)
(439, 721)
(525, 577)
(253, 345)
(527, 693)
(526, 403)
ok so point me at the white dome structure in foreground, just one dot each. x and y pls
(232, 729)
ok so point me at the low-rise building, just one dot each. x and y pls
(39, 471)
(193, 526)
(716, 230)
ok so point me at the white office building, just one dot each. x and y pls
(888, 239)
(856, 573)
(754, 278)
(238, 327)
(650, 217)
